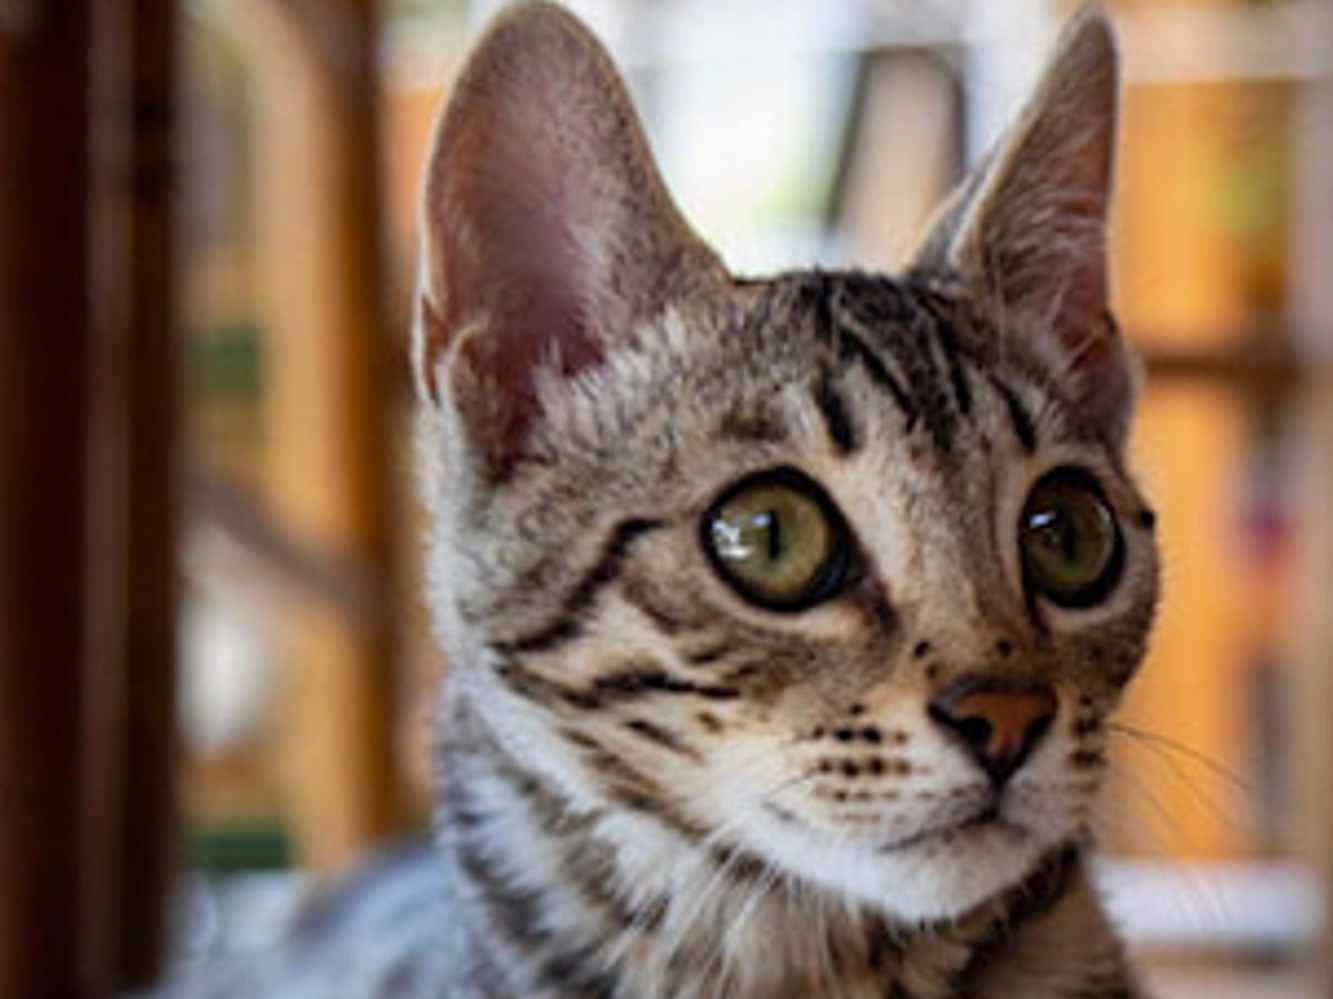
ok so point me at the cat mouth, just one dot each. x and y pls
(983, 820)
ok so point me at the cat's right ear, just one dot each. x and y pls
(1027, 230)
(548, 234)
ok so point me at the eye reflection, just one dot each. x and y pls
(739, 542)
(777, 540)
(1069, 540)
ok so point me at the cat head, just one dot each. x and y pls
(839, 571)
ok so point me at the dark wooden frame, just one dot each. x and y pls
(87, 493)
(45, 355)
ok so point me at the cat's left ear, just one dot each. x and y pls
(548, 235)
(1028, 230)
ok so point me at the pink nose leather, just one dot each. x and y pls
(998, 726)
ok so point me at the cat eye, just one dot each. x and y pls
(778, 541)
(1070, 544)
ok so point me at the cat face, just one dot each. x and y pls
(835, 572)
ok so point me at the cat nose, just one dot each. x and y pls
(997, 724)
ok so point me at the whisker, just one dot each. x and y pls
(1135, 832)
(1195, 894)
(699, 855)
(1202, 901)
(720, 877)
(822, 942)
(729, 942)
(1163, 748)
(1166, 745)
(1198, 898)
(1154, 801)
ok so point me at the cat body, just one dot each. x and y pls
(784, 617)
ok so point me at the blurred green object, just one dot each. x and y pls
(240, 847)
(227, 362)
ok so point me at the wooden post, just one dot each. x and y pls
(327, 364)
(129, 805)
(44, 449)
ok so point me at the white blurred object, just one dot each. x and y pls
(1236, 905)
(227, 655)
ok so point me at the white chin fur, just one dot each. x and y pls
(933, 880)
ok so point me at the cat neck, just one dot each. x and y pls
(556, 897)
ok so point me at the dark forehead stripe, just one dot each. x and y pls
(905, 339)
(818, 290)
(920, 329)
(924, 347)
(946, 338)
(1025, 429)
(837, 420)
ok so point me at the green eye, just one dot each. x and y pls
(1069, 541)
(777, 540)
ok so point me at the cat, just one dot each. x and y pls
(784, 617)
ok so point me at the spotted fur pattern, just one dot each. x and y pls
(650, 787)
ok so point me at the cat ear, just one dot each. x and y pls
(1027, 231)
(548, 233)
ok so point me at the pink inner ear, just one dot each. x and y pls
(1064, 288)
(505, 370)
(548, 231)
(1102, 371)
(526, 297)
(515, 244)
(1044, 243)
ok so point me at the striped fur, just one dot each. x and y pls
(650, 786)
(646, 780)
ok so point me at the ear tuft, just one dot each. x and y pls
(548, 234)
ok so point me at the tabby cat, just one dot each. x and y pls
(784, 616)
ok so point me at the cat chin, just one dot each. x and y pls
(943, 879)
(928, 880)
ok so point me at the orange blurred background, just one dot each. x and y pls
(792, 133)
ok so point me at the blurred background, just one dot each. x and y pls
(213, 658)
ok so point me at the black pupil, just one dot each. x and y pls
(1071, 547)
(772, 524)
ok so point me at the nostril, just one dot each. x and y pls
(1038, 726)
(975, 731)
